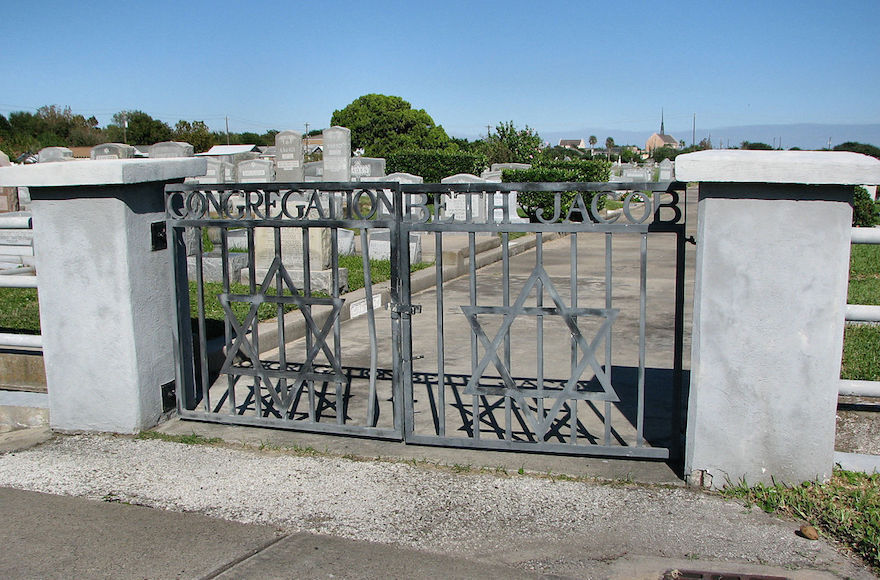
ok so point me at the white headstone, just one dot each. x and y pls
(50, 154)
(169, 149)
(112, 151)
(255, 171)
(457, 206)
(289, 156)
(337, 154)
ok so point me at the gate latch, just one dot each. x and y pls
(406, 310)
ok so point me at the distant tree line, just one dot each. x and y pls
(54, 126)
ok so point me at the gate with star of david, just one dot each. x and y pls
(435, 313)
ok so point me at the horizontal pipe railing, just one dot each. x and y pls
(18, 340)
(862, 313)
(19, 278)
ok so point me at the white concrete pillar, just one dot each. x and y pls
(772, 264)
(106, 300)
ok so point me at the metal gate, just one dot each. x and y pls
(432, 313)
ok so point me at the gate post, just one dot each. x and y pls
(106, 305)
(772, 268)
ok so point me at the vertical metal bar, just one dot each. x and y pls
(441, 357)
(505, 289)
(573, 284)
(307, 292)
(227, 327)
(279, 314)
(182, 331)
(371, 323)
(255, 332)
(539, 260)
(608, 303)
(337, 328)
(643, 300)
(472, 271)
(676, 451)
(203, 346)
(401, 331)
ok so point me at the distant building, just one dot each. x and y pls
(661, 139)
(572, 143)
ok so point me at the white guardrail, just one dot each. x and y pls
(22, 276)
(862, 313)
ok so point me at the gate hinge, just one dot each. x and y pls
(404, 309)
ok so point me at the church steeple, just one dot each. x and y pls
(662, 128)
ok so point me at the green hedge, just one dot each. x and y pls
(556, 171)
(435, 164)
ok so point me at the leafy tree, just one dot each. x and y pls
(859, 148)
(609, 144)
(382, 124)
(558, 153)
(864, 209)
(142, 129)
(510, 145)
(755, 146)
(196, 134)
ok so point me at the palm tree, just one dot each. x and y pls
(609, 143)
(593, 141)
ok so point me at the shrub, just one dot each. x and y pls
(864, 209)
(435, 164)
(533, 202)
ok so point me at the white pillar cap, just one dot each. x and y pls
(803, 167)
(101, 172)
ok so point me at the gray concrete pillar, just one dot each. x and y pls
(106, 300)
(772, 265)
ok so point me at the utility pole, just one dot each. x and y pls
(227, 129)
(694, 132)
(307, 139)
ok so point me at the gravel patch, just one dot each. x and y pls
(527, 521)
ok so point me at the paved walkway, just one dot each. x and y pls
(229, 511)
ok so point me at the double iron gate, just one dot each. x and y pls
(433, 314)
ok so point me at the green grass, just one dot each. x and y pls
(861, 346)
(19, 310)
(847, 508)
(864, 275)
(192, 439)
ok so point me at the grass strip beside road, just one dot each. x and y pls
(846, 509)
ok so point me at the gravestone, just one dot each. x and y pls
(51, 154)
(313, 171)
(497, 200)
(112, 151)
(255, 171)
(367, 168)
(402, 178)
(337, 154)
(215, 173)
(170, 149)
(8, 195)
(667, 171)
(456, 206)
(289, 156)
(380, 246)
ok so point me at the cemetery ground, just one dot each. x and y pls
(472, 513)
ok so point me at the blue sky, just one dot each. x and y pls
(556, 66)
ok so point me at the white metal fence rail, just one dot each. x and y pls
(865, 314)
(17, 275)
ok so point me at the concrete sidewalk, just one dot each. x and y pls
(230, 511)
